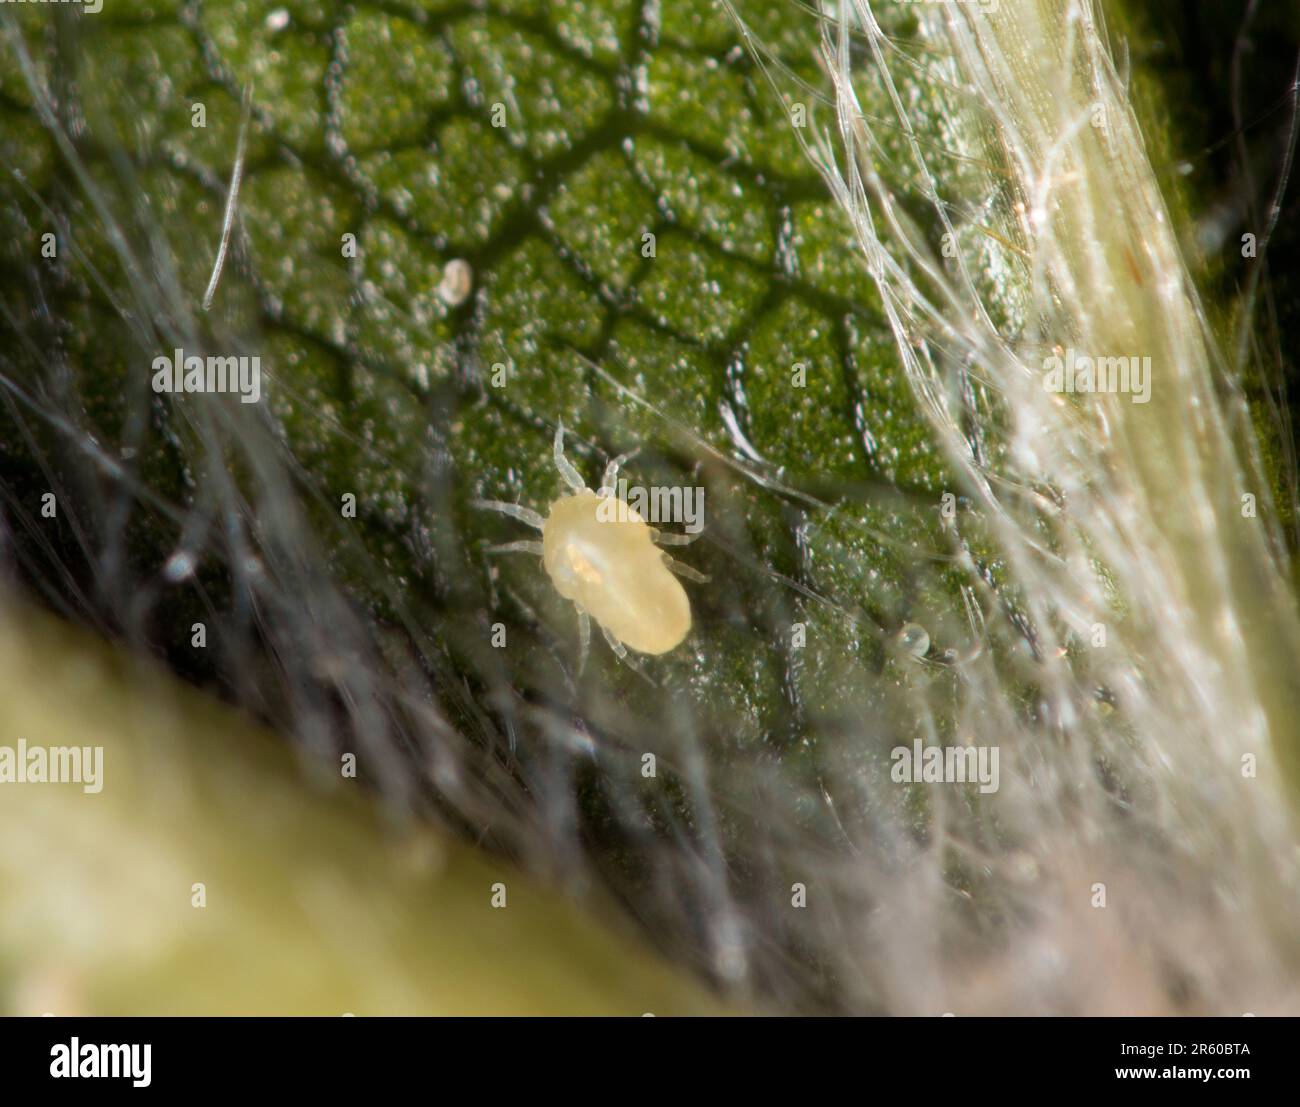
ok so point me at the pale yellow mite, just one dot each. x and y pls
(607, 563)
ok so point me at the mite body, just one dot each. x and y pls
(615, 573)
(606, 561)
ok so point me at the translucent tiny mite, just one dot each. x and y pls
(611, 570)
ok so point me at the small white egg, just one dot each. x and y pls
(457, 282)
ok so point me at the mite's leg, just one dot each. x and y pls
(515, 511)
(522, 546)
(621, 651)
(615, 644)
(571, 476)
(584, 639)
(684, 570)
(668, 538)
(608, 485)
